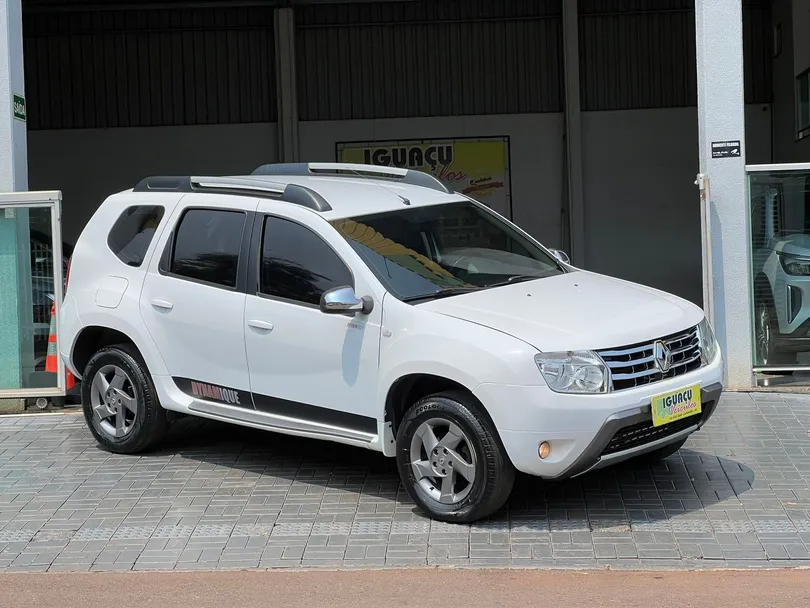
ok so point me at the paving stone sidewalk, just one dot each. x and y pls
(219, 496)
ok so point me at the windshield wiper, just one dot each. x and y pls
(518, 278)
(442, 293)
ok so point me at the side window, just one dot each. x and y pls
(297, 264)
(207, 244)
(132, 233)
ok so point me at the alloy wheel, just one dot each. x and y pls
(763, 333)
(443, 460)
(113, 400)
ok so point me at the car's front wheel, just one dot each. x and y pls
(120, 403)
(451, 459)
(764, 329)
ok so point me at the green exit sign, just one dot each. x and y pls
(19, 108)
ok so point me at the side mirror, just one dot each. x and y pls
(561, 255)
(341, 300)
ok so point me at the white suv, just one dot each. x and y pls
(374, 307)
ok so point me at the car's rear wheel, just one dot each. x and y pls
(451, 459)
(120, 403)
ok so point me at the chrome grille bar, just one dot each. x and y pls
(625, 351)
(615, 364)
(646, 372)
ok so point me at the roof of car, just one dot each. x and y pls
(356, 196)
(335, 190)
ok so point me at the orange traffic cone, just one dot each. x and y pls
(51, 364)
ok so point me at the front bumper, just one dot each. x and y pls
(589, 432)
(798, 339)
(605, 450)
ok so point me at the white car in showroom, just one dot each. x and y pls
(375, 307)
(781, 263)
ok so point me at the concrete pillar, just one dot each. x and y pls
(286, 93)
(13, 142)
(573, 134)
(721, 123)
(15, 343)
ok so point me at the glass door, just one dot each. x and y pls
(32, 271)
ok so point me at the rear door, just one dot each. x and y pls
(193, 298)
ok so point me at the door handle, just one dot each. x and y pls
(164, 304)
(263, 325)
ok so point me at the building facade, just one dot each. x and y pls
(584, 114)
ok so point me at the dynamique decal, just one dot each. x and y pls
(212, 392)
(209, 391)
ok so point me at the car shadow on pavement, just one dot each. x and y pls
(684, 486)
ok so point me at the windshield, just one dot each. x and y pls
(442, 250)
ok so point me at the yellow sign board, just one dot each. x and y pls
(676, 405)
(476, 167)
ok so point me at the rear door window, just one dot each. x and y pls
(207, 243)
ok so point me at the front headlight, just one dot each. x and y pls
(794, 265)
(573, 372)
(708, 343)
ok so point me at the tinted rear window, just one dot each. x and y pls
(132, 233)
(207, 246)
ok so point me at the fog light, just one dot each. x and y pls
(544, 450)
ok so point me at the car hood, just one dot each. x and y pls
(792, 244)
(574, 311)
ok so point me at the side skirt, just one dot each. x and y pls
(283, 424)
(234, 405)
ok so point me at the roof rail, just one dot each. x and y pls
(407, 176)
(244, 186)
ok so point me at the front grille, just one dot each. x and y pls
(644, 432)
(635, 365)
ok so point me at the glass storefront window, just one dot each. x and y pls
(28, 357)
(780, 245)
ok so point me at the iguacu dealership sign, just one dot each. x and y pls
(477, 167)
(410, 156)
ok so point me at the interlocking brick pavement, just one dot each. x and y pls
(218, 496)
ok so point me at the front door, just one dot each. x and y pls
(193, 301)
(306, 365)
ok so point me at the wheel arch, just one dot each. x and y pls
(93, 338)
(409, 388)
(762, 283)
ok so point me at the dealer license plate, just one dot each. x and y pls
(676, 405)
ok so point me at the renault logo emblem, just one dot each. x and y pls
(662, 356)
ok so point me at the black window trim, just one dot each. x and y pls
(155, 238)
(164, 265)
(253, 283)
(801, 131)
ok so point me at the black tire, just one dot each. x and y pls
(150, 420)
(664, 452)
(494, 474)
